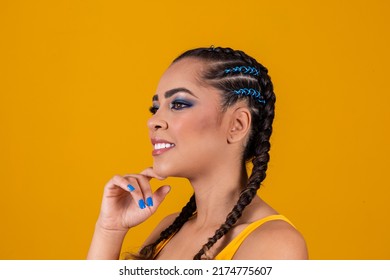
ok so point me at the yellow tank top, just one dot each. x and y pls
(228, 252)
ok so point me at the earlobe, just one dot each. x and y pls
(239, 125)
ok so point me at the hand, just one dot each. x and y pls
(128, 200)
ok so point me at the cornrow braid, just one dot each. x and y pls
(148, 252)
(258, 146)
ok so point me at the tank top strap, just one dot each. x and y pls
(228, 252)
(162, 244)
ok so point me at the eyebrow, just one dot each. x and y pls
(172, 92)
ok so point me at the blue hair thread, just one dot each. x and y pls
(250, 92)
(242, 69)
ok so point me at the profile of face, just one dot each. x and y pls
(188, 128)
(212, 113)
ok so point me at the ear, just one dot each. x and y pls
(240, 123)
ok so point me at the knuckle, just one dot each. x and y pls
(117, 178)
(132, 180)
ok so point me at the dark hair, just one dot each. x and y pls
(257, 149)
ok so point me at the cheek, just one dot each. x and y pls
(202, 123)
(201, 132)
(209, 122)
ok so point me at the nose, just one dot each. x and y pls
(156, 123)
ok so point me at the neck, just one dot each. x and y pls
(216, 194)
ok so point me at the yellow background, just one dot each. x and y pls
(76, 80)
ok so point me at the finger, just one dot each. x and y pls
(152, 200)
(151, 173)
(118, 181)
(144, 185)
(160, 194)
(136, 191)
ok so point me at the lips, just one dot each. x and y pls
(160, 146)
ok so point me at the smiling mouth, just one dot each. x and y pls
(160, 148)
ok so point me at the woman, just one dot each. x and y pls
(212, 113)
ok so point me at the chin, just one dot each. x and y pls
(162, 170)
(166, 170)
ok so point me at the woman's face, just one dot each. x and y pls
(188, 128)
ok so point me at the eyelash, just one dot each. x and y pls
(153, 109)
(182, 104)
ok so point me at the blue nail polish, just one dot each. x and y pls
(149, 201)
(130, 187)
(141, 204)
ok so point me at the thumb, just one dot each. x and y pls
(160, 194)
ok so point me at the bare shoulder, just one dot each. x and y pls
(164, 223)
(274, 240)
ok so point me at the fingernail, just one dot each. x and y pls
(149, 201)
(141, 204)
(130, 187)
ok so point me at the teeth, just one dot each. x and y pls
(162, 146)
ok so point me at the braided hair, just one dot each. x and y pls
(231, 70)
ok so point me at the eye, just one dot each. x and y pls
(153, 109)
(180, 104)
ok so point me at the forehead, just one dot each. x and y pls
(183, 73)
